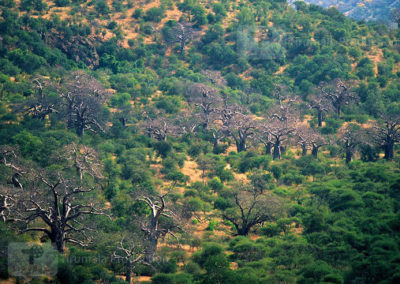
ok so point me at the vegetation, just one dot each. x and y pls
(199, 142)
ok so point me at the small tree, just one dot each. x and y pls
(251, 207)
(130, 253)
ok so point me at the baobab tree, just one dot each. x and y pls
(8, 200)
(84, 97)
(84, 159)
(206, 98)
(130, 252)
(238, 125)
(251, 207)
(387, 133)
(264, 136)
(60, 206)
(159, 128)
(350, 137)
(280, 132)
(181, 33)
(321, 104)
(154, 229)
(41, 103)
(10, 158)
(338, 93)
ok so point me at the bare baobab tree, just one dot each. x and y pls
(316, 141)
(130, 253)
(58, 208)
(238, 125)
(250, 208)
(83, 158)
(181, 33)
(84, 97)
(155, 229)
(206, 98)
(387, 133)
(338, 93)
(159, 128)
(264, 136)
(350, 137)
(41, 104)
(321, 104)
(7, 202)
(10, 158)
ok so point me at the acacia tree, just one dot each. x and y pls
(338, 93)
(387, 133)
(84, 97)
(350, 137)
(154, 229)
(57, 207)
(250, 208)
(238, 125)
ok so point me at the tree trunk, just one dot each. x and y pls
(283, 150)
(241, 145)
(58, 240)
(128, 274)
(319, 118)
(314, 152)
(389, 150)
(349, 155)
(153, 241)
(268, 148)
(243, 231)
(277, 151)
(338, 109)
(304, 149)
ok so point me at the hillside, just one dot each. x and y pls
(197, 142)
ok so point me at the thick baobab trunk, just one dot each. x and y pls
(349, 155)
(304, 149)
(320, 118)
(152, 248)
(314, 152)
(338, 109)
(57, 238)
(277, 150)
(243, 231)
(241, 145)
(128, 274)
(389, 150)
(268, 148)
